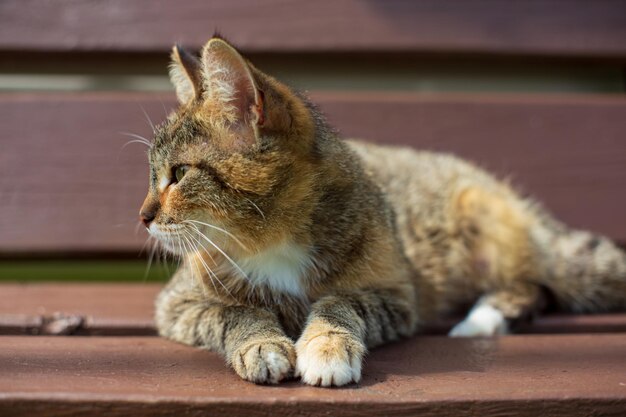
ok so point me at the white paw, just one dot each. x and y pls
(278, 366)
(483, 320)
(329, 360)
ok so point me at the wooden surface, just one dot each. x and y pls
(537, 27)
(127, 309)
(570, 376)
(78, 309)
(68, 184)
(521, 375)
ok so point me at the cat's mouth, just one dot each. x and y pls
(170, 237)
(193, 236)
(164, 231)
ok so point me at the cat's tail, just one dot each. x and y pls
(585, 272)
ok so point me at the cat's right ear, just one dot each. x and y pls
(185, 75)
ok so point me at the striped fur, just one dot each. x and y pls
(301, 251)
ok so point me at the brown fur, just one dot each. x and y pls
(361, 243)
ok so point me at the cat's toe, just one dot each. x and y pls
(329, 360)
(265, 362)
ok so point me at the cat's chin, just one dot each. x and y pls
(173, 248)
(170, 239)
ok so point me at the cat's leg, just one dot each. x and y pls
(493, 312)
(341, 327)
(251, 339)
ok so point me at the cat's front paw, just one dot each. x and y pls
(265, 361)
(329, 359)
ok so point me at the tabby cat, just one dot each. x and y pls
(300, 251)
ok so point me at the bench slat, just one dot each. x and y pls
(524, 376)
(541, 27)
(78, 309)
(127, 309)
(68, 185)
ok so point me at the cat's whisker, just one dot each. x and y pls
(163, 254)
(220, 230)
(145, 113)
(208, 269)
(222, 252)
(181, 250)
(145, 243)
(164, 109)
(137, 139)
(203, 248)
(199, 279)
(137, 226)
(197, 275)
(182, 255)
(256, 207)
(210, 273)
(150, 258)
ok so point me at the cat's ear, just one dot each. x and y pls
(185, 74)
(229, 81)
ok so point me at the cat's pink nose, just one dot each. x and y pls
(149, 209)
(146, 217)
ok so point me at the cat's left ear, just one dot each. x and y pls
(185, 75)
(229, 81)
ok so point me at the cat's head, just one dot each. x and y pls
(233, 166)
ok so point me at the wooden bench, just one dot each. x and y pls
(70, 190)
(122, 369)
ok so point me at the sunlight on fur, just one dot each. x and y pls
(300, 250)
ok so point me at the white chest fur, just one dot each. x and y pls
(282, 268)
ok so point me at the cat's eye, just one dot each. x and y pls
(180, 172)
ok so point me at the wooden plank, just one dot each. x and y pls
(127, 309)
(68, 185)
(78, 309)
(538, 27)
(523, 376)
(82, 189)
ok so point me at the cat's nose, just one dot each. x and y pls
(149, 209)
(147, 216)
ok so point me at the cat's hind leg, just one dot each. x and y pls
(495, 226)
(494, 312)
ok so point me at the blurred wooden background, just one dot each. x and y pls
(533, 91)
